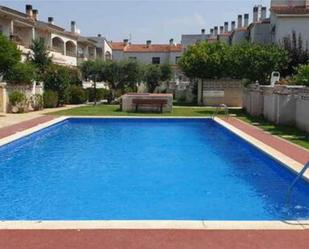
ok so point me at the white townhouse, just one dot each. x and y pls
(147, 53)
(66, 47)
(286, 17)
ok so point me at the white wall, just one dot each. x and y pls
(284, 26)
(146, 58)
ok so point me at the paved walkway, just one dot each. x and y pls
(8, 119)
(295, 152)
(167, 239)
(153, 239)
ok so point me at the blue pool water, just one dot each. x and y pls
(143, 169)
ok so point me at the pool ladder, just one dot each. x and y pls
(219, 107)
(291, 187)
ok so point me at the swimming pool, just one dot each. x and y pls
(143, 169)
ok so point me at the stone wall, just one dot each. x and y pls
(284, 105)
(28, 90)
(216, 92)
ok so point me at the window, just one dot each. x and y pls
(131, 58)
(177, 59)
(155, 60)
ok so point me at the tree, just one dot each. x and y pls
(9, 55)
(243, 61)
(21, 73)
(256, 62)
(152, 77)
(39, 56)
(57, 79)
(166, 72)
(298, 55)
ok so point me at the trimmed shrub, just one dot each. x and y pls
(77, 95)
(50, 99)
(18, 100)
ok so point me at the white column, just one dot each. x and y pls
(11, 27)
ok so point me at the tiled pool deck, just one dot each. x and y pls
(215, 238)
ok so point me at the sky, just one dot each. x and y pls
(142, 20)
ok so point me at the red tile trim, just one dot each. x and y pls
(153, 239)
(297, 153)
(10, 130)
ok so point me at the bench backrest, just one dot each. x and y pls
(150, 101)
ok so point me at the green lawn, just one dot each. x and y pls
(113, 110)
(290, 133)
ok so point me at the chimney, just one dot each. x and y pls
(203, 31)
(125, 42)
(211, 32)
(226, 27)
(99, 35)
(221, 29)
(50, 20)
(35, 15)
(148, 43)
(233, 25)
(263, 13)
(239, 25)
(246, 20)
(171, 41)
(255, 14)
(215, 30)
(73, 27)
(29, 10)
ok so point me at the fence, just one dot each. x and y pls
(216, 92)
(285, 105)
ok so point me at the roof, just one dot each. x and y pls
(144, 48)
(286, 10)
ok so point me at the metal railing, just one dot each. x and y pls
(225, 108)
(291, 187)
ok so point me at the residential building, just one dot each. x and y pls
(65, 47)
(147, 53)
(287, 17)
(188, 40)
(260, 28)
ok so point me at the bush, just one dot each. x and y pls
(58, 80)
(37, 102)
(50, 99)
(302, 76)
(101, 94)
(18, 100)
(77, 95)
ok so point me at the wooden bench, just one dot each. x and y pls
(149, 102)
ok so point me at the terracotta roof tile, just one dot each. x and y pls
(143, 48)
